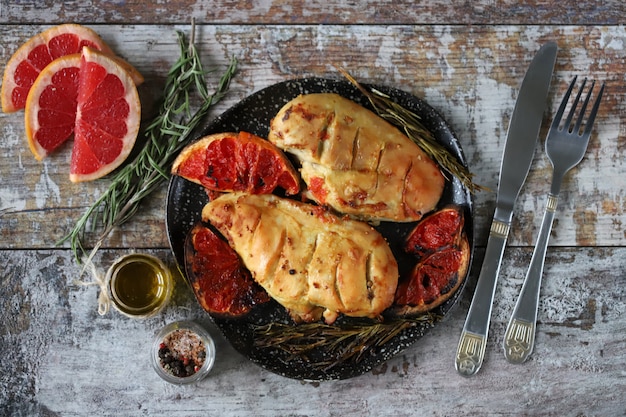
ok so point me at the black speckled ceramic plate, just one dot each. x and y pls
(185, 201)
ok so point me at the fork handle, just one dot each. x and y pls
(519, 338)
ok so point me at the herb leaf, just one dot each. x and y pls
(347, 343)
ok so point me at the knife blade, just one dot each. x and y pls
(518, 154)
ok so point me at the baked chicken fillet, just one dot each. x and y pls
(356, 162)
(310, 261)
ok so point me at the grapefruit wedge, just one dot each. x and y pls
(220, 281)
(91, 96)
(433, 280)
(443, 254)
(51, 106)
(39, 51)
(226, 162)
(438, 230)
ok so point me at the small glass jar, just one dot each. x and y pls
(139, 285)
(183, 352)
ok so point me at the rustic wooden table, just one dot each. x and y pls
(59, 357)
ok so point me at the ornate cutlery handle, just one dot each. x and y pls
(471, 350)
(519, 338)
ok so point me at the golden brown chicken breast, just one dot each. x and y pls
(310, 261)
(356, 162)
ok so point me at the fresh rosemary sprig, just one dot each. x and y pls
(166, 135)
(410, 122)
(348, 343)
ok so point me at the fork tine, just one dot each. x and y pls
(572, 111)
(594, 111)
(583, 109)
(559, 113)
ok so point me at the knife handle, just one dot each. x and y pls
(471, 350)
(519, 338)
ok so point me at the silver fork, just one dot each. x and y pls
(565, 148)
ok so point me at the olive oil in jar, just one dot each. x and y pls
(140, 285)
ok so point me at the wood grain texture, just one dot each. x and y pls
(378, 12)
(469, 74)
(60, 358)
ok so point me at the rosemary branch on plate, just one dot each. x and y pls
(341, 344)
(167, 134)
(413, 127)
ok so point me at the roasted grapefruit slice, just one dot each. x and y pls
(434, 279)
(227, 162)
(442, 252)
(91, 96)
(39, 51)
(220, 281)
(440, 229)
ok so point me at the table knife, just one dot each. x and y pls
(519, 149)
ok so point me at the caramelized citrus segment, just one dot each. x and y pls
(442, 254)
(434, 279)
(220, 281)
(241, 161)
(438, 230)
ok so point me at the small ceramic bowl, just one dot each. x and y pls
(183, 352)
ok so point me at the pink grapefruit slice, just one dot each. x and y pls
(39, 51)
(92, 97)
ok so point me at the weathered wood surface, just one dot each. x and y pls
(61, 358)
(470, 74)
(484, 12)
